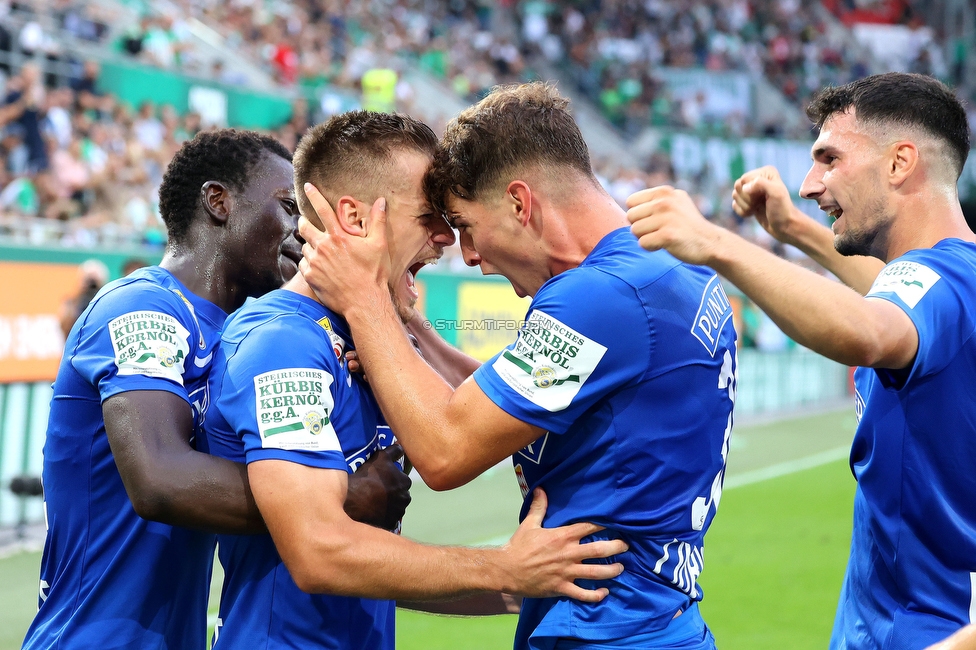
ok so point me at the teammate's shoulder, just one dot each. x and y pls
(279, 313)
(146, 289)
(618, 261)
(949, 257)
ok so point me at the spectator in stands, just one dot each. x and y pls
(92, 276)
(149, 131)
(87, 95)
(25, 99)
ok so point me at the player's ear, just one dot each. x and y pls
(353, 216)
(217, 201)
(904, 160)
(518, 195)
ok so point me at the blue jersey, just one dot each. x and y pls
(911, 577)
(110, 579)
(628, 363)
(281, 390)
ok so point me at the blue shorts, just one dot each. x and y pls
(687, 632)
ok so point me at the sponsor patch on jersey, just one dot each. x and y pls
(714, 312)
(907, 280)
(150, 343)
(293, 408)
(549, 363)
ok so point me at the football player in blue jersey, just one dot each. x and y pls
(885, 166)
(284, 401)
(128, 493)
(617, 395)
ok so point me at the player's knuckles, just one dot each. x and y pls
(639, 212)
(640, 196)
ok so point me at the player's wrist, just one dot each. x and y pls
(502, 571)
(370, 305)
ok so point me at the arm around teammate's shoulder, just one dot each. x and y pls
(166, 479)
(134, 347)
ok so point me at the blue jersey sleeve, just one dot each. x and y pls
(278, 392)
(137, 336)
(586, 334)
(924, 284)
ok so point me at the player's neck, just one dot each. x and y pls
(298, 285)
(926, 221)
(589, 216)
(201, 275)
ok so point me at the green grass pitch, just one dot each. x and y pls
(774, 558)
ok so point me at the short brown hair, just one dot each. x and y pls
(349, 153)
(512, 128)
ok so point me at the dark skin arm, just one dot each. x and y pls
(170, 482)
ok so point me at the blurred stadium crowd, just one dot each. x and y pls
(82, 168)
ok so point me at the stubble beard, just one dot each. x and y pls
(870, 241)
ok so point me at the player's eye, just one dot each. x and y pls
(290, 206)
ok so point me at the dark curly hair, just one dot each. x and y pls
(224, 155)
(512, 128)
(910, 100)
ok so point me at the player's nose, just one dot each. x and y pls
(441, 233)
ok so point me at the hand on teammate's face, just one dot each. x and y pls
(344, 270)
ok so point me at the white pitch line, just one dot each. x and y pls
(788, 467)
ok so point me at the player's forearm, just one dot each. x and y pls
(817, 313)
(452, 364)
(204, 492)
(817, 241)
(365, 562)
(416, 401)
(165, 478)
(486, 604)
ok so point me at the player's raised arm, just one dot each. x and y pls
(761, 193)
(816, 312)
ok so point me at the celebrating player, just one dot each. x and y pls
(885, 166)
(123, 483)
(285, 402)
(617, 395)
